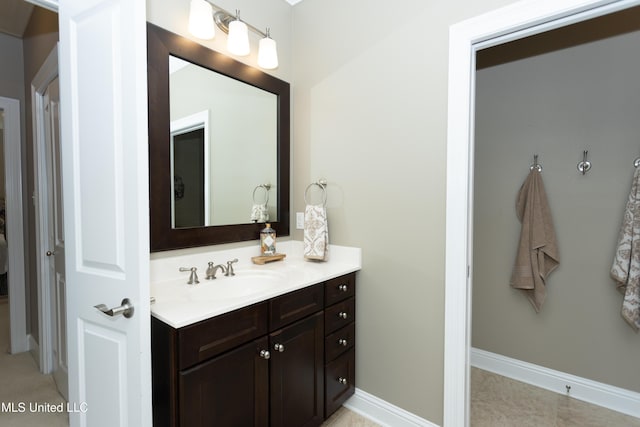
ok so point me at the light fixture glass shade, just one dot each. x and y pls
(238, 41)
(201, 19)
(267, 54)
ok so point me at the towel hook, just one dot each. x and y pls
(535, 164)
(636, 162)
(585, 164)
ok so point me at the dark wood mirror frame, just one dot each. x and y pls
(161, 44)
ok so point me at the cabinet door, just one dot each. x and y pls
(297, 380)
(229, 390)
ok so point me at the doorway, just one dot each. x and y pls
(50, 247)
(466, 38)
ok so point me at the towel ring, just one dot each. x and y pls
(266, 187)
(323, 186)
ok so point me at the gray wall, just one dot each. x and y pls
(558, 104)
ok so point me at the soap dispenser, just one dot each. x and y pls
(268, 240)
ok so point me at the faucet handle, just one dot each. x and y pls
(193, 277)
(230, 271)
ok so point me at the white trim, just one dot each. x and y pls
(383, 412)
(500, 26)
(46, 74)
(605, 395)
(15, 238)
(52, 5)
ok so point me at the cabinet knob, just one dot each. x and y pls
(342, 380)
(343, 342)
(343, 315)
(343, 288)
(265, 354)
(278, 347)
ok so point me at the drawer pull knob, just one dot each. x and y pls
(343, 288)
(342, 380)
(343, 315)
(343, 342)
(265, 354)
(278, 347)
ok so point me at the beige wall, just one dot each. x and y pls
(370, 114)
(558, 104)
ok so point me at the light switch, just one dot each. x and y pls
(300, 220)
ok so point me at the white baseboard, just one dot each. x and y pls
(614, 398)
(383, 412)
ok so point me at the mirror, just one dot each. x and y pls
(218, 146)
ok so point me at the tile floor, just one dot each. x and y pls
(497, 401)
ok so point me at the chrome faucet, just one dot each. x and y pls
(193, 277)
(230, 271)
(213, 269)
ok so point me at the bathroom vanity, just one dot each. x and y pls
(282, 360)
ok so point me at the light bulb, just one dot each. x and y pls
(238, 41)
(267, 53)
(201, 19)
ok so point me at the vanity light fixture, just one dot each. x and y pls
(267, 53)
(201, 20)
(238, 41)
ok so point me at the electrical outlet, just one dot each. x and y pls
(300, 220)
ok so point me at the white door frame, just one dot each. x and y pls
(510, 23)
(14, 217)
(47, 73)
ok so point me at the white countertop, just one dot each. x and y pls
(179, 304)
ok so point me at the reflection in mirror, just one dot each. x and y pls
(224, 140)
(218, 146)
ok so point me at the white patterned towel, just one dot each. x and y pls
(316, 233)
(626, 263)
(259, 213)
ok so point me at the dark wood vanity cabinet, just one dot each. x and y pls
(285, 362)
(340, 339)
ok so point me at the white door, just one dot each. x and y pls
(103, 99)
(55, 238)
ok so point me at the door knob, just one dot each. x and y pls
(126, 309)
(49, 253)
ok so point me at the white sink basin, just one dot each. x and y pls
(243, 284)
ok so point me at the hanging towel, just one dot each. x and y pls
(626, 262)
(316, 233)
(537, 253)
(259, 212)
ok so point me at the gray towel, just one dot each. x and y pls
(537, 253)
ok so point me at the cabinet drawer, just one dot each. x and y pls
(295, 305)
(210, 337)
(340, 381)
(339, 315)
(339, 288)
(339, 342)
